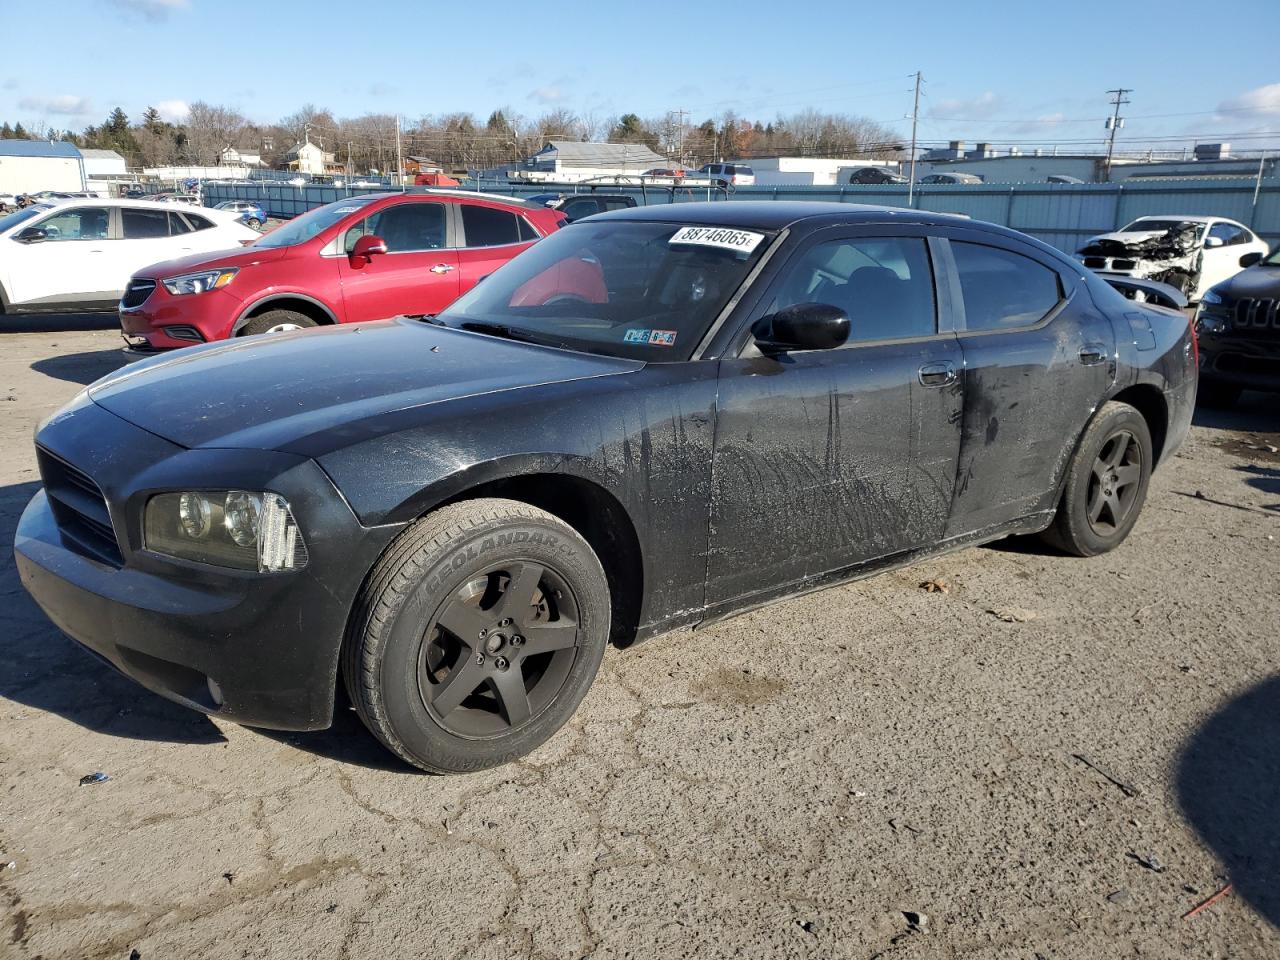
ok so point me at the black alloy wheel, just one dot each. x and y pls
(498, 650)
(1114, 484)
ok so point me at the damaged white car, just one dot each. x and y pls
(1189, 253)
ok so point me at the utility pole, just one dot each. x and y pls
(915, 118)
(399, 161)
(1114, 123)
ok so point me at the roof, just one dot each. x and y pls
(101, 155)
(39, 148)
(575, 153)
(417, 159)
(776, 214)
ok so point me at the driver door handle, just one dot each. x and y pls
(937, 374)
(442, 268)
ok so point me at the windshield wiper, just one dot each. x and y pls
(432, 319)
(506, 332)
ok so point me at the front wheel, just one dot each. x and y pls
(276, 321)
(476, 635)
(1106, 483)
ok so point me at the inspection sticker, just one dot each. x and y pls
(636, 335)
(739, 241)
(655, 338)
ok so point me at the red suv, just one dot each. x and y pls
(366, 258)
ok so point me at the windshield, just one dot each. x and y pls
(310, 224)
(23, 215)
(1274, 259)
(1140, 226)
(635, 289)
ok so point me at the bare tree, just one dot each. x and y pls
(208, 130)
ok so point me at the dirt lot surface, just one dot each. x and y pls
(875, 770)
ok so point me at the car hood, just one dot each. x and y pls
(232, 257)
(1261, 280)
(277, 391)
(1131, 236)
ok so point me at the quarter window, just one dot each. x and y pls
(1002, 289)
(197, 222)
(488, 226)
(177, 225)
(883, 284)
(144, 224)
(81, 223)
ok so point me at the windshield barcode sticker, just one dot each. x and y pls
(740, 241)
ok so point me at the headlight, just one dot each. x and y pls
(227, 528)
(201, 282)
(1211, 296)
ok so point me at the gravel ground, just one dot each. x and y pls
(871, 771)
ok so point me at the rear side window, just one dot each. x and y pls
(177, 225)
(489, 227)
(526, 230)
(1002, 289)
(883, 284)
(198, 222)
(616, 205)
(144, 224)
(1229, 233)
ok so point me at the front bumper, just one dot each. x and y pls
(165, 322)
(258, 649)
(1242, 359)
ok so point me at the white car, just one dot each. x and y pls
(1191, 253)
(79, 254)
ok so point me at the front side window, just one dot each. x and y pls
(883, 284)
(144, 224)
(79, 223)
(403, 227)
(488, 226)
(1228, 233)
(576, 209)
(637, 289)
(1002, 289)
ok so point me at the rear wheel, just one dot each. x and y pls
(253, 222)
(276, 321)
(477, 635)
(1106, 483)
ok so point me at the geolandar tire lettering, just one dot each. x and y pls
(477, 635)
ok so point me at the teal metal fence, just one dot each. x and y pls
(1062, 215)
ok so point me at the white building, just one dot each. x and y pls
(29, 166)
(103, 164)
(309, 158)
(568, 161)
(808, 171)
(239, 157)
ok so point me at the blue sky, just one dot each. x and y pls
(998, 71)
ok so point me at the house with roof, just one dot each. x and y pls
(230, 156)
(29, 166)
(416, 165)
(307, 157)
(103, 164)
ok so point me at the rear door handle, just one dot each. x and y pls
(441, 268)
(937, 374)
(1092, 354)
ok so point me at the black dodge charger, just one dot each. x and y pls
(652, 419)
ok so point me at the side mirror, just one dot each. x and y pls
(32, 235)
(1249, 259)
(366, 248)
(802, 326)
(1213, 242)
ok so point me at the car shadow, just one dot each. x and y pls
(59, 322)
(42, 669)
(348, 741)
(83, 368)
(1228, 785)
(1254, 413)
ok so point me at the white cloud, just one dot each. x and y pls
(174, 111)
(11, 83)
(151, 9)
(64, 103)
(1261, 101)
(982, 107)
(547, 95)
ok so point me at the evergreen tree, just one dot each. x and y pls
(19, 132)
(6, 131)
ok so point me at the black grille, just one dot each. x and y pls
(1095, 263)
(135, 295)
(79, 508)
(1258, 316)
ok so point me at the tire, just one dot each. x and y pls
(275, 321)
(1106, 483)
(432, 661)
(253, 222)
(1213, 394)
